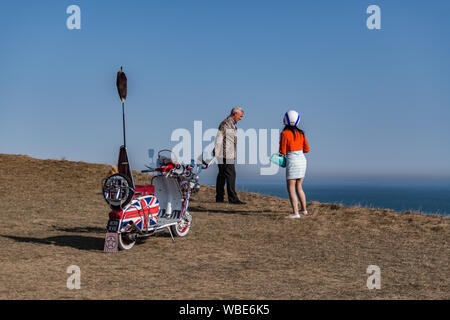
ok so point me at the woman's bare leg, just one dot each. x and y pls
(292, 195)
(301, 193)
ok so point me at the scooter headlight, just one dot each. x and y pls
(117, 190)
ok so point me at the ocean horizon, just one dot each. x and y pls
(428, 196)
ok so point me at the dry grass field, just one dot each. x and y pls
(53, 216)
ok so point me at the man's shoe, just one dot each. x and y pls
(220, 201)
(237, 202)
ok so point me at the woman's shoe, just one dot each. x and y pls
(304, 212)
(293, 216)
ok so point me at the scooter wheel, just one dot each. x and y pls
(124, 242)
(181, 229)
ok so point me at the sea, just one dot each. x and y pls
(428, 195)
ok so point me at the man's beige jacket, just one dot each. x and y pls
(226, 140)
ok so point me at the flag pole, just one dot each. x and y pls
(123, 122)
(121, 83)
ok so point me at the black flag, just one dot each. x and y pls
(121, 83)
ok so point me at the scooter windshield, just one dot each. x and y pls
(165, 157)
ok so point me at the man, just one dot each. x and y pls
(225, 152)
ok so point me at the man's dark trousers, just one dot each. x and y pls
(227, 173)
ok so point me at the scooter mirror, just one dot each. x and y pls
(151, 154)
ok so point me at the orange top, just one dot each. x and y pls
(288, 143)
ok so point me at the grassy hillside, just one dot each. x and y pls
(53, 216)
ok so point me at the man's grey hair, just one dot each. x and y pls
(236, 109)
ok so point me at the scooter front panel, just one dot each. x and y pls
(169, 196)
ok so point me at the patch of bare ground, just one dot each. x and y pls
(53, 216)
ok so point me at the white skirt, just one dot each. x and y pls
(295, 165)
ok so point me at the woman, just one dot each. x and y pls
(293, 145)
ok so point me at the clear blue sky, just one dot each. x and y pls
(371, 101)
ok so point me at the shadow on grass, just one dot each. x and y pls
(77, 242)
(231, 211)
(81, 229)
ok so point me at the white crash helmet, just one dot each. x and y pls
(291, 118)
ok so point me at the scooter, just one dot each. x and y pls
(143, 210)
(139, 211)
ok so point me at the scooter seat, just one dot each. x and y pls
(144, 190)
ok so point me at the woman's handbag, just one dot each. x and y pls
(279, 159)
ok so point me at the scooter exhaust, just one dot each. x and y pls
(135, 227)
(139, 231)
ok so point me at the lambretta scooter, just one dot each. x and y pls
(139, 211)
